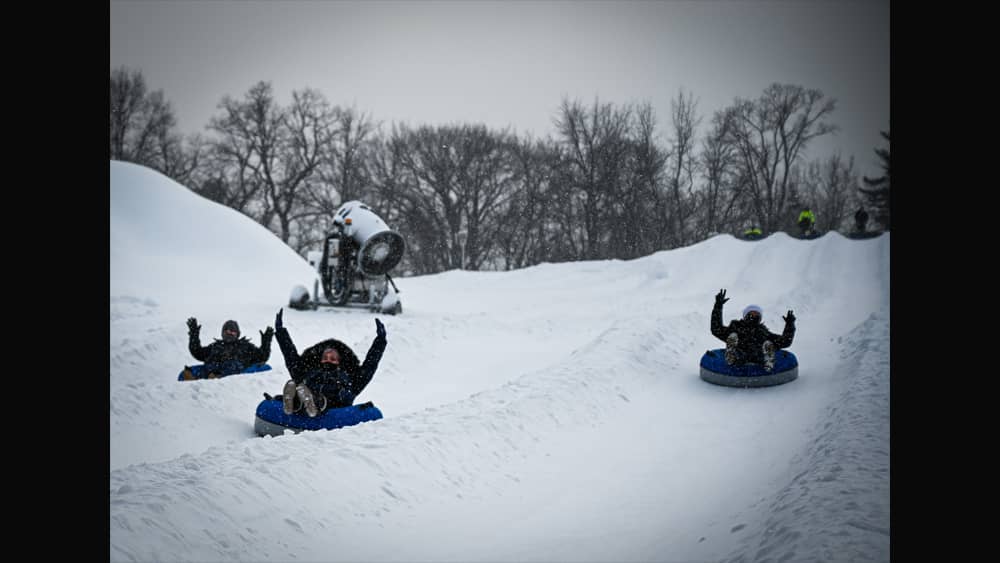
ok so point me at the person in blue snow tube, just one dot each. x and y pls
(747, 339)
(327, 374)
(232, 354)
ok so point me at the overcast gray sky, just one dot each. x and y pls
(511, 63)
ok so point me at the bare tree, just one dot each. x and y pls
(392, 183)
(142, 127)
(466, 196)
(307, 130)
(642, 209)
(830, 184)
(525, 227)
(487, 182)
(596, 143)
(270, 154)
(432, 201)
(717, 199)
(387, 176)
(248, 134)
(181, 159)
(458, 180)
(769, 135)
(128, 102)
(227, 177)
(567, 218)
(344, 169)
(681, 167)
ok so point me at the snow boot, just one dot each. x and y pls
(305, 395)
(731, 354)
(768, 355)
(288, 397)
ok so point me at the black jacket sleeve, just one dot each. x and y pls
(262, 354)
(368, 368)
(785, 340)
(718, 329)
(250, 354)
(194, 345)
(292, 359)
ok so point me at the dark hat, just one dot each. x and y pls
(753, 309)
(230, 325)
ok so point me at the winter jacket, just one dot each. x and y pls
(240, 352)
(341, 384)
(807, 217)
(751, 335)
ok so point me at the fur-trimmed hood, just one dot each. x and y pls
(311, 356)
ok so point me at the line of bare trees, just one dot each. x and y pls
(465, 196)
(143, 128)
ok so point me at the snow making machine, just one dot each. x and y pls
(354, 265)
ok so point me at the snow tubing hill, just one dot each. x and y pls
(271, 419)
(714, 369)
(191, 373)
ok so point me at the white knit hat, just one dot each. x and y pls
(753, 308)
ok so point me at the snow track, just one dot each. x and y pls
(551, 413)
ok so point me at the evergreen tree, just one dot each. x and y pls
(877, 193)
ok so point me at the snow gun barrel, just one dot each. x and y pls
(380, 248)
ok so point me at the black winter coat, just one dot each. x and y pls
(339, 385)
(860, 219)
(240, 350)
(751, 335)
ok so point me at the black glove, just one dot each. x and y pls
(277, 319)
(720, 298)
(193, 326)
(265, 335)
(790, 317)
(379, 329)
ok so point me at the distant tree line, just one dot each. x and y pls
(605, 186)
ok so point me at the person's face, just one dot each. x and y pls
(229, 335)
(752, 317)
(330, 356)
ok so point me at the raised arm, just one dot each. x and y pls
(372, 358)
(194, 340)
(785, 340)
(287, 348)
(262, 354)
(718, 330)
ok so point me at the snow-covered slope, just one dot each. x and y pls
(550, 413)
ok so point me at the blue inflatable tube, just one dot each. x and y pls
(714, 369)
(190, 373)
(271, 419)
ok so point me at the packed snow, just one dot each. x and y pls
(553, 413)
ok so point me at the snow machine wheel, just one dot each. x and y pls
(299, 298)
(341, 297)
